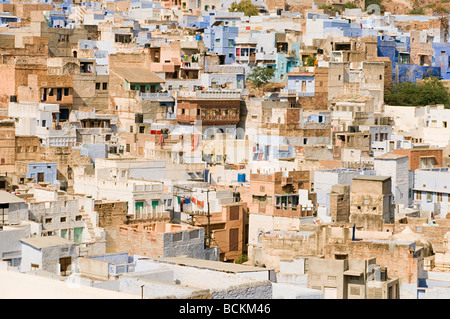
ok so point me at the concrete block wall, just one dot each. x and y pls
(396, 257)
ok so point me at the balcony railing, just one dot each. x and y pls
(115, 270)
(156, 96)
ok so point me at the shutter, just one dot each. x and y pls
(234, 239)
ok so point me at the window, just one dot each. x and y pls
(48, 220)
(439, 197)
(141, 129)
(194, 234)
(123, 38)
(419, 195)
(177, 236)
(97, 86)
(127, 147)
(331, 278)
(59, 92)
(234, 212)
(63, 219)
(105, 86)
(78, 218)
(63, 38)
(86, 67)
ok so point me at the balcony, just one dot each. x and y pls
(265, 57)
(218, 94)
(156, 96)
(190, 65)
(294, 92)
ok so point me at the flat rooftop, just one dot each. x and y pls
(390, 156)
(372, 178)
(47, 241)
(209, 264)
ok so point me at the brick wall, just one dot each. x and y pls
(135, 240)
(415, 155)
(395, 257)
(7, 147)
(111, 214)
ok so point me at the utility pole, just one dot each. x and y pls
(208, 226)
(208, 229)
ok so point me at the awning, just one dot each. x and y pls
(356, 273)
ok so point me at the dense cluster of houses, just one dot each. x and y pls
(139, 160)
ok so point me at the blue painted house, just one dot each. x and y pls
(43, 172)
(302, 83)
(441, 59)
(397, 49)
(220, 39)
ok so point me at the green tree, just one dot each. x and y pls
(261, 75)
(350, 5)
(241, 259)
(430, 91)
(245, 6)
(310, 61)
(329, 7)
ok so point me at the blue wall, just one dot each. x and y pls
(441, 54)
(49, 169)
(94, 151)
(414, 72)
(217, 40)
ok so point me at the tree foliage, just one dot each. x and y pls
(261, 75)
(310, 61)
(428, 92)
(350, 5)
(245, 6)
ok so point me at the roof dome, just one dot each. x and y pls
(409, 235)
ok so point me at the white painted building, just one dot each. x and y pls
(428, 124)
(396, 166)
(41, 120)
(53, 254)
(128, 179)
